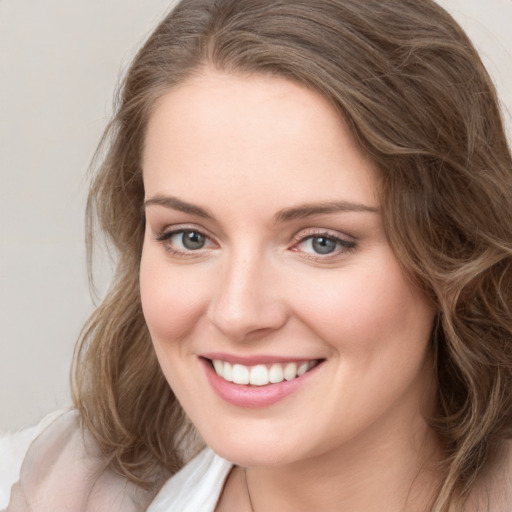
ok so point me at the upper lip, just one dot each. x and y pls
(253, 360)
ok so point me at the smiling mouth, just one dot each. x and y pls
(262, 374)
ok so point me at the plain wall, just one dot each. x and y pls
(59, 63)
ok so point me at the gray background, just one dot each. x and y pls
(59, 63)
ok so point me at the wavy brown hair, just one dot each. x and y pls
(415, 95)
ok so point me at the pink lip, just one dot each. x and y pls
(253, 397)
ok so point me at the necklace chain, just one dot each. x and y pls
(248, 491)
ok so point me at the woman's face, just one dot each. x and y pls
(265, 256)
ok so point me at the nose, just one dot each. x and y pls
(247, 301)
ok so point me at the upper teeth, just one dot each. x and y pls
(261, 374)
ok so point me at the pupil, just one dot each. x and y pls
(193, 240)
(323, 245)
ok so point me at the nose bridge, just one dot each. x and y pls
(246, 299)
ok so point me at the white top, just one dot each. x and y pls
(54, 468)
(196, 488)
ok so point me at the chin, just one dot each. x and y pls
(257, 449)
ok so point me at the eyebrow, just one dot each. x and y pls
(311, 209)
(284, 215)
(177, 204)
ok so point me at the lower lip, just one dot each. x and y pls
(253, 397)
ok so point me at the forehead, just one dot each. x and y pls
(253, 132)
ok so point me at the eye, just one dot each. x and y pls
(322, 244)
(191, 240)
(183, 241)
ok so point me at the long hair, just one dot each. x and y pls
(410, 86)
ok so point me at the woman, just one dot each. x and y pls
(311, 203)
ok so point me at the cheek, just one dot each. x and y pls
(378, 328)
(172, 300)
(368, 309)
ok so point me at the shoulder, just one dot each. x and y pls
(63, 469)
(57, 466)
(499, 480)
(503, 479)
(13, 449)
(197, 486)
(493, 489)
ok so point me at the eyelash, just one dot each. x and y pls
(344, 246)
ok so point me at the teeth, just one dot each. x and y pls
(227, 372)
(276, 373)
(218, 365)
(290, 371)
(260, 375)
(240, 374)
(302, 369)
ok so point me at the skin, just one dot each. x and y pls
(245, 149)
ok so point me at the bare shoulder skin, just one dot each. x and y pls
(493, 492)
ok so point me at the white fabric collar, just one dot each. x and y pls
(196, 487)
